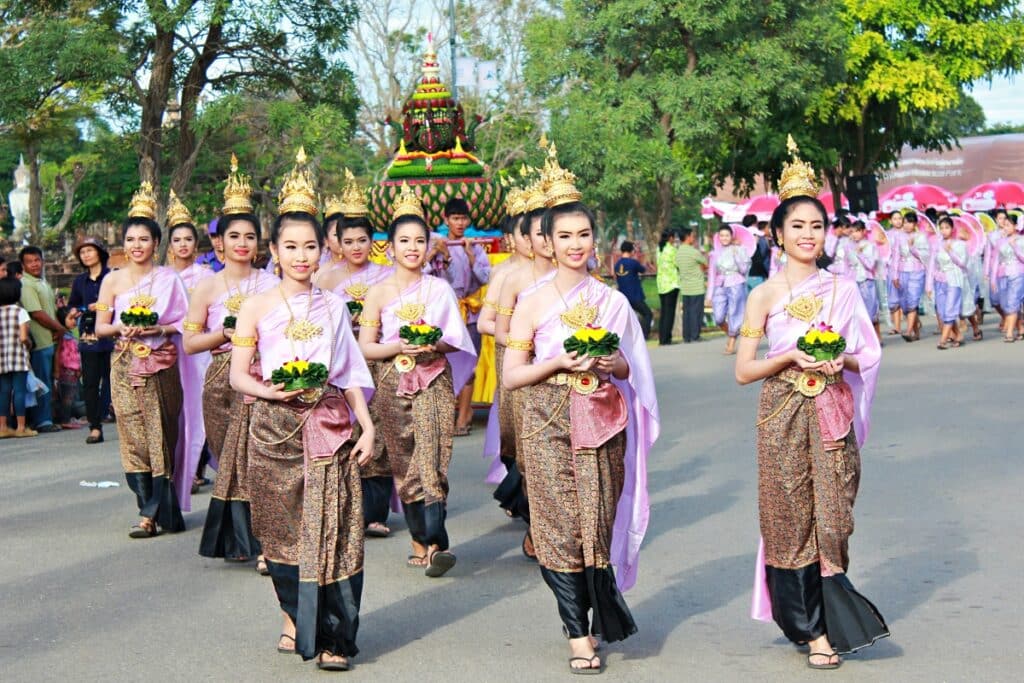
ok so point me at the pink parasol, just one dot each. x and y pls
(761, 206)
(826, 198)
(741, 236)
(988, 224)
(987, 196)
(970, 232)
(917, 196)
(877, 234)
(711, 208)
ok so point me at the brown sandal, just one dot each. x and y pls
(143, 530)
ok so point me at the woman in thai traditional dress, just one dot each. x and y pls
(351, 280)
(1010, 277)
(812, 420)
(728, 266)
(912, 253)
(213, 309)
(146, 386)
(862, 262)
(512, 493)
(588, 424)
(947, 282)
(417, 384)
(303, 443)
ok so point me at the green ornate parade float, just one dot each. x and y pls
(435, 156)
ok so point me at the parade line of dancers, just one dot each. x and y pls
(328, 389)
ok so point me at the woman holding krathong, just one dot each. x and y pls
(213, 311)
(819, 379)
(346, 218)
(589, 418)
(304, 446)
(427, 356)
(143, 306)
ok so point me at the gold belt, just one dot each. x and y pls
(809, 383)
(581, 382)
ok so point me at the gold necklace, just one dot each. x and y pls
(304, 329)
(233, 303)
(580, 315)
(356, 290)
(805, 307)
(411, 313)
(144, 300)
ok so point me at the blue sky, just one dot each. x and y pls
(1003, 100)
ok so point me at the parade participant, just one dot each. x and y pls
(1010, 277)
(862, 263)
(334, 255)
(213, 310)
(668, 285)
(351, 280)
(143, 306)
(499, 442)
(627, 277)
(512, 494)
(911, 256)
(94, 352)
(419, 380)
(778, 260)
(728, 266)
(993, 268)
(467, 269)
(812, 420)
(947, 282)
(303, 447)
(840, 245)
(588, 424)
(896, 236)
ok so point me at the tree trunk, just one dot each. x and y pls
(154, 104)
(195, 81)
(68, 187)
(35, 194)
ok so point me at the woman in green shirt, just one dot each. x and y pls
(668, 284)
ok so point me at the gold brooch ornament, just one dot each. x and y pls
(357, 291)
(411, 313)
(580, 315)
(404, 362)
(584, 383)
(233, 303)
(142, 301)
(140, 350)
(811, 383)
(302, 330)
(310, 396)
(805, 307)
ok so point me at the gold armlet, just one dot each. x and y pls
(192, 327)
(751, 332)
(243, 342)
(368, 323)
(519, 344)
(502, 310)
(102, 307)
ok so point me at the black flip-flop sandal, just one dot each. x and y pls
(139, 531)
(828, 658)
(333, 665)
(286, 650)
(589, 670)
(439, 563)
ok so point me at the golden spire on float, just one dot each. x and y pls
(352, 202)
(237, 191)
(407, 204)
(559, 183)
(798, 178)
(143, 203)
(177, 212)
(297, 194)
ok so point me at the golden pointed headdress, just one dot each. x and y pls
(407, 204)
(297, 194)
(352, 202)
(798, 178)
(559, 183)
(143, 202)
(237, 191)
(177, 212)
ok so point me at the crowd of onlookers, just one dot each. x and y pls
(53, 369)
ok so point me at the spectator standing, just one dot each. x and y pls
(38, 299)
(668, 284)
(14, 358)
(94, 352)
(627, 276)
(691, 264)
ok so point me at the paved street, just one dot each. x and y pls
(936, 548)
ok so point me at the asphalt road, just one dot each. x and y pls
(936, 548)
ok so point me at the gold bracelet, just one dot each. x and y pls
(751, 332)
(369, 323)
(502, 310)
(102, 307)
(192, 327)
(243, 342)
(519, 344)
